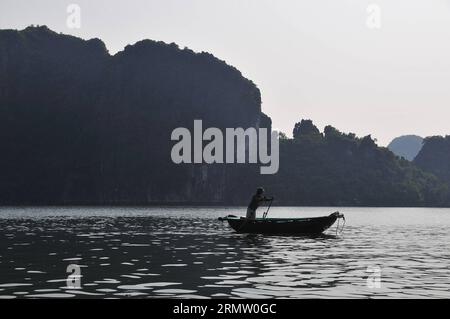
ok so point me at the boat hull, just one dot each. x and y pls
(296, 226)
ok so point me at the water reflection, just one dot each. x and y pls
(197, 257)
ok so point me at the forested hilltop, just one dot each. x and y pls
(80, 126)
(334, 168)
(435, 157)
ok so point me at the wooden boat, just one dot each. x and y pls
(292, 226)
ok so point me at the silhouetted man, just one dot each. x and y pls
(257, 200)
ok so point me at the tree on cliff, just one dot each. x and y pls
(305, 128)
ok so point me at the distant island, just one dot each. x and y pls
(82, 127)
(407, 146)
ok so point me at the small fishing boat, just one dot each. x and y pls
(291, 226)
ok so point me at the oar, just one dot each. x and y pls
(265, 214)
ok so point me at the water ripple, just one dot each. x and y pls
(192, 255)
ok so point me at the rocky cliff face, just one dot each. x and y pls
(338, 169)
(81, 126)
(435, 156)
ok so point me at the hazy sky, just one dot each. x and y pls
(311, 59)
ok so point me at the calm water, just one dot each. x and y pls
(187, 253)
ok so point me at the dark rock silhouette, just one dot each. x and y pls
(79, 126)
(407, 146)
